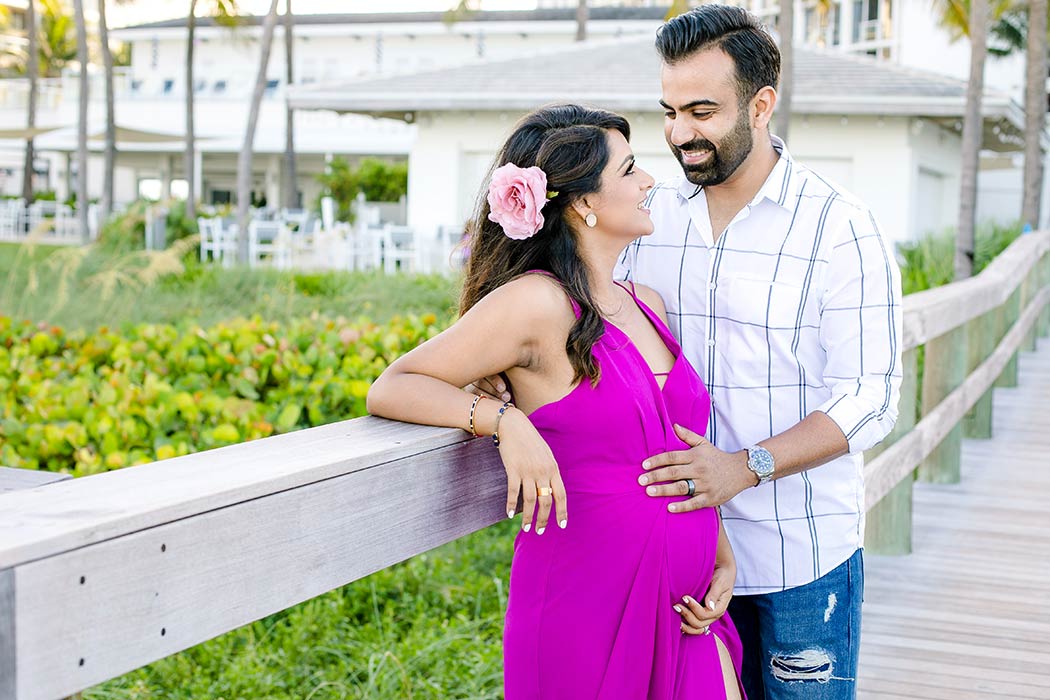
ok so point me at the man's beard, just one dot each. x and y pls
(733, 150)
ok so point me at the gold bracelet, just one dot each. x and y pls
(473, 407)
(499, 416)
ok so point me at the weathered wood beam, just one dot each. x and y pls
(897, 462)
(934, 312)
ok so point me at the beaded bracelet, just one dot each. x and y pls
(473, 408)
(495, 430)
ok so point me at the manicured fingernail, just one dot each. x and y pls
(646, 464)
(710, 605)
(672, 507)
(678, 610)
(505, 397)
(500, 387)
(687, 600)
(526, 527)
(643, 480)
(562, 523)
(539, 530)
(651, 490)
(510, 514)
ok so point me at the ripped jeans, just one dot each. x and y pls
(803, 643)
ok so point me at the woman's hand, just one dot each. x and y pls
(530, 466)
(697, 617)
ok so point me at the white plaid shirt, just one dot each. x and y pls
(795, 308)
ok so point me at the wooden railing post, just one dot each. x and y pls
(1007, 317)
(1029, 288)
(1043, 325)
(981, 342)
(888, 528)
(944, 369)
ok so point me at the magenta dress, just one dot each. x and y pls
(589, 613)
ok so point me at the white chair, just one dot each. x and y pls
(210, 232)
(399, 249)
(295, 218)
(269, 238)
(41, 213)
(218, 243)
(11, 213)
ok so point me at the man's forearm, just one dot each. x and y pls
(811, 442)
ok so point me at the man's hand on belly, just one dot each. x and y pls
(717, 476)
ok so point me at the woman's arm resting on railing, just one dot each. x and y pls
(502, 331)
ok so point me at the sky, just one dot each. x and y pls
(140, 11)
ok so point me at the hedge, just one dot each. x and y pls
(83, 403)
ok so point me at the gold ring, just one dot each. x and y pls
(544, 491)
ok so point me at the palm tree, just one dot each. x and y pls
(290, 186)
(189, 157)
(32, 69)
(677, 7)
(973, 127)
(785, 28)
(82, 117)
(225, 13)
(110, 151)
(244, 160)
(58, 44)
(582, 14)
(1034, 112)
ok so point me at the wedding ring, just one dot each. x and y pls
(544, 491)
(691, 486)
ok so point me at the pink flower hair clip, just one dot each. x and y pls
(516, 198)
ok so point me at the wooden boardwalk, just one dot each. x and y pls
(967, 614)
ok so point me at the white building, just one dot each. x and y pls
(332, 50)
(150, 101)
(887, 133)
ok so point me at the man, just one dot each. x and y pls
(786, 298)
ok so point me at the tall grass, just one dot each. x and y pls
(90, 287)
(430, 628)
(930, 261)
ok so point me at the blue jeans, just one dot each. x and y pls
(803, 643)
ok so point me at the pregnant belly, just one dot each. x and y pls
(613, 539)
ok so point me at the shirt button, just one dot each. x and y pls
(711, 343)
(711, 286)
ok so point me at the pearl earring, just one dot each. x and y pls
(591, 220)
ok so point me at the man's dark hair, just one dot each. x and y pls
(732, 29)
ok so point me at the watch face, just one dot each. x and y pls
(760, 461)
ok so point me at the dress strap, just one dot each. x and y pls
(575, 306)
(661, 328)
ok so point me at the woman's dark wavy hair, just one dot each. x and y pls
(570, 144)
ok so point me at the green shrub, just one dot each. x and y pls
(178, 225)
(930, 261)
(378, 180)
(340, 182)
(382, 181)
(84, 403)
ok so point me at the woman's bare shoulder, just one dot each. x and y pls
(532, 297)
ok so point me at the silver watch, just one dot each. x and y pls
(761, 463)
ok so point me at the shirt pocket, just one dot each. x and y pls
(759, 330)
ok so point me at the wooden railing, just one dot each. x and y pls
(969, 334)
(104, 574)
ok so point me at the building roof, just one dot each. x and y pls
(598, 14)
(625, 75)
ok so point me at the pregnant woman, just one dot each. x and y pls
(600, 570)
